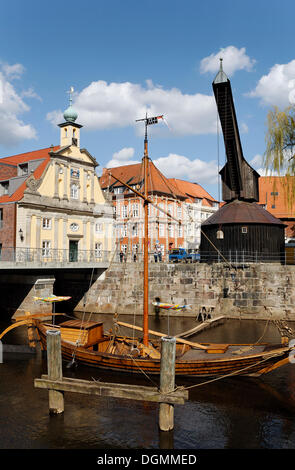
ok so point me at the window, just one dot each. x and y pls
(46, 223)
(74, 191)
(1, 218)
(134, 230)
(46, 245)
(179, 212)
(4, 187)
(119, 190)
(98, 250)
(180, 230)
(274, 193)
(99, 228)
(124, 248)
(124, 212)
(244, 229)
(23, 169)
(135, 210)
(170, 230)
(161, 230)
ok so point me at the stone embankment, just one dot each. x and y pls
(250, 291)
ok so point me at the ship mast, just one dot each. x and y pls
(145, 161)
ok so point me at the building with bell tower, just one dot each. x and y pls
(51, 202)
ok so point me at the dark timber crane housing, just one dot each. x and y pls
(241, 230)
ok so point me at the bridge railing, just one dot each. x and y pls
(31, 256)
(47, 256)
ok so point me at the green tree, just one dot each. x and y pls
(279, 157)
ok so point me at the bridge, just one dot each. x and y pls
(43, 258)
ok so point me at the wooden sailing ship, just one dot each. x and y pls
(87, 343)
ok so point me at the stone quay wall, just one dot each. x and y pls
(251, 291)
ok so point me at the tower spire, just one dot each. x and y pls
(221, 77)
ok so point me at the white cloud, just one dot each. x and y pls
(275, 87)
(173, 166)
(179, 166)
(103, 105)
(233, 59)
(55, 117)
(30, 93)
(13, 71)
(12, 129)
(122, 157)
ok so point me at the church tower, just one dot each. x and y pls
(70, 130)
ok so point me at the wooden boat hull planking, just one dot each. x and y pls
(248, 365)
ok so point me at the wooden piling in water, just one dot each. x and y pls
(167, 381)
(54, 365)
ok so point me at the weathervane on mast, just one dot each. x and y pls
(147, 122)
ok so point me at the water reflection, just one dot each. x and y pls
(231, 413)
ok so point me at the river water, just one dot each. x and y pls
(233, 413)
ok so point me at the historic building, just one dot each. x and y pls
(187, 203)
(273, 196)
(51, 203)
(164, 232)
(198, 206)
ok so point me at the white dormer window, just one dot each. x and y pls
(23, 169)
(74, 191)
(4, 187)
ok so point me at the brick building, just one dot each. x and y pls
(188, 204)
(273, 196)
(164, 231)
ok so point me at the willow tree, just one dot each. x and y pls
(279, 158)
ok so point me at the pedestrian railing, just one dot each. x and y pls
(45, 256)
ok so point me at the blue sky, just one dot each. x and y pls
(124, 58)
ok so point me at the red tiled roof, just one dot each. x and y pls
(133, 174)
(193, 190)
(273, 191)
(26, 157)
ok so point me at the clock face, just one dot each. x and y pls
(74, 227)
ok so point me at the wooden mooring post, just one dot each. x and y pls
(167, 381)
(167, 397)
(54, 367)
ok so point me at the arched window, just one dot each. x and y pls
(74, 191)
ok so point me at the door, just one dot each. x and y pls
(73, 250)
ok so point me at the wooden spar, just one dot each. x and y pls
(203, 326)
(146, 246)
(157, 333)
(115, 390)
(11, 327)
(23, 320)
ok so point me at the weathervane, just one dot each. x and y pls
(70, 92)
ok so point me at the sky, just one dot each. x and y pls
(128, 58)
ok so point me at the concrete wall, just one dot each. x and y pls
(253, 291)
(18, 290)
